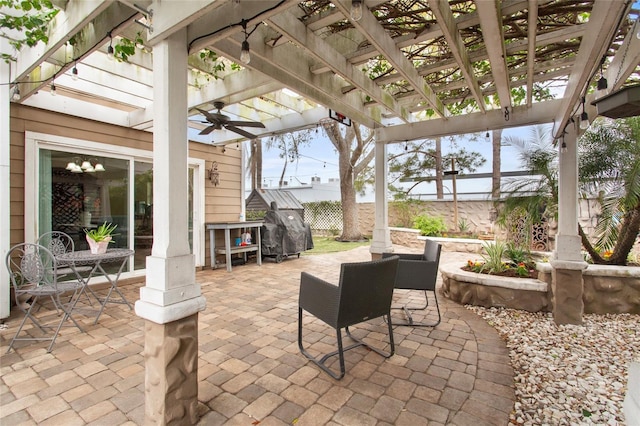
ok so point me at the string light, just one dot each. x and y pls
(244, 53)
(356, 10)
(602, 82)
(110, 51)
(53, 89)
(15, 96)
(584, 118)
(74, 72)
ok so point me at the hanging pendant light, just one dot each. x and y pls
(356, 10)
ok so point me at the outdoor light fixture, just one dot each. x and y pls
(602, 82)
(213, 174)
(53, 89)
(356, 10)
(74, 73)
(584, 118)
(15, 96)
(563, 147)
(486, 135)
(245, 57)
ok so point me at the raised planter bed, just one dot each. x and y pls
(471, 288)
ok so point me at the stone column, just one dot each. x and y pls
(381, 235)
(171, 299)
(567, 283)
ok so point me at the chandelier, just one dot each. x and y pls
(91, 165)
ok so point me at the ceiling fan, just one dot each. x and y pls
(219, 121)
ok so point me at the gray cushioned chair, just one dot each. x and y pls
(364, 292)
(418, 272)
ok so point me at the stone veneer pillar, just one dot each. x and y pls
(171, 299)
(568, 264)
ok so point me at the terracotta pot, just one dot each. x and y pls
(98, 247)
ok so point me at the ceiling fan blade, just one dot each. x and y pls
(210, 117)
(245, 124)
(241, 132)
(207, 130)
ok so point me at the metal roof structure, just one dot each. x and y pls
(411, 68)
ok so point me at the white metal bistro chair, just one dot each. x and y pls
(33, 274)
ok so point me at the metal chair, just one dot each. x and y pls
(364, 293)
(58, 242)
(33, 274)
(418, 272)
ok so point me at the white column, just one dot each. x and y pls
(567, 240)
(171, 292)
(381, 235)
(5, 134)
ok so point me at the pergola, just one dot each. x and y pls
(408, 68)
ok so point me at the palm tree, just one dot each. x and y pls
(609, 159)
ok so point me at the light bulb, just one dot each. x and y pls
(99, 168)
(563, 147)
(74, 73)
(16, 94)
(356, 10)
(110, 51)
(86, 165)
(71, 166)
(244, 53)
(584, 120)
(53, 89)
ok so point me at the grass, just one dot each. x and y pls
(323, 245)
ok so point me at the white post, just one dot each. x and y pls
(381, 235)
(568, 264)
(5, 137)
(171, 299)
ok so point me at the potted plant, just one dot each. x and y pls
(100, 237)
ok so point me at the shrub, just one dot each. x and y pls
(431, 226)
(493, 260)
(517, 254)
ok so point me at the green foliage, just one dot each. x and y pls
(463, 225)
(406, 211)
(432, 226)
(517, 254)
(102, 232)
(33, 22)
(123, 49)
(255, 214)
(493, 259)
(317, 208)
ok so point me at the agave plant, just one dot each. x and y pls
(102, 232)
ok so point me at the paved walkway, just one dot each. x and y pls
(250, 368)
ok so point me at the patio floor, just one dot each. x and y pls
(251, 370)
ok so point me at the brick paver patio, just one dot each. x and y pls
(250, 367)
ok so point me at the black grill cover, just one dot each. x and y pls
(284, 233)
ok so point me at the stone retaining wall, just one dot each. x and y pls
(470, 288)
(606, 289)
(411, 238)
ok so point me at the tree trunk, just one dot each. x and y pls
(495, 180)
(439, 172)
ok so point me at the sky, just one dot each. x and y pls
(321, 160)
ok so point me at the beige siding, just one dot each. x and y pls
(222, 203)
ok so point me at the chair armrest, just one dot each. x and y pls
(404, 256)
(416, 275)
(319, 298)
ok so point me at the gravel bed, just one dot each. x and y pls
(567, 375)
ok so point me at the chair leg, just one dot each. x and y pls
(28, 315)
(407, 312)
(321, 362)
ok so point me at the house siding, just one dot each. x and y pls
(222, 203)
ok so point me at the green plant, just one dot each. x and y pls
(517, 254)
(432, 226)
(102, 232)
(493, 259)
(463, 225)
(522, 270)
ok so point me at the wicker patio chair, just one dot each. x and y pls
(418, 272)
(364, 292)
